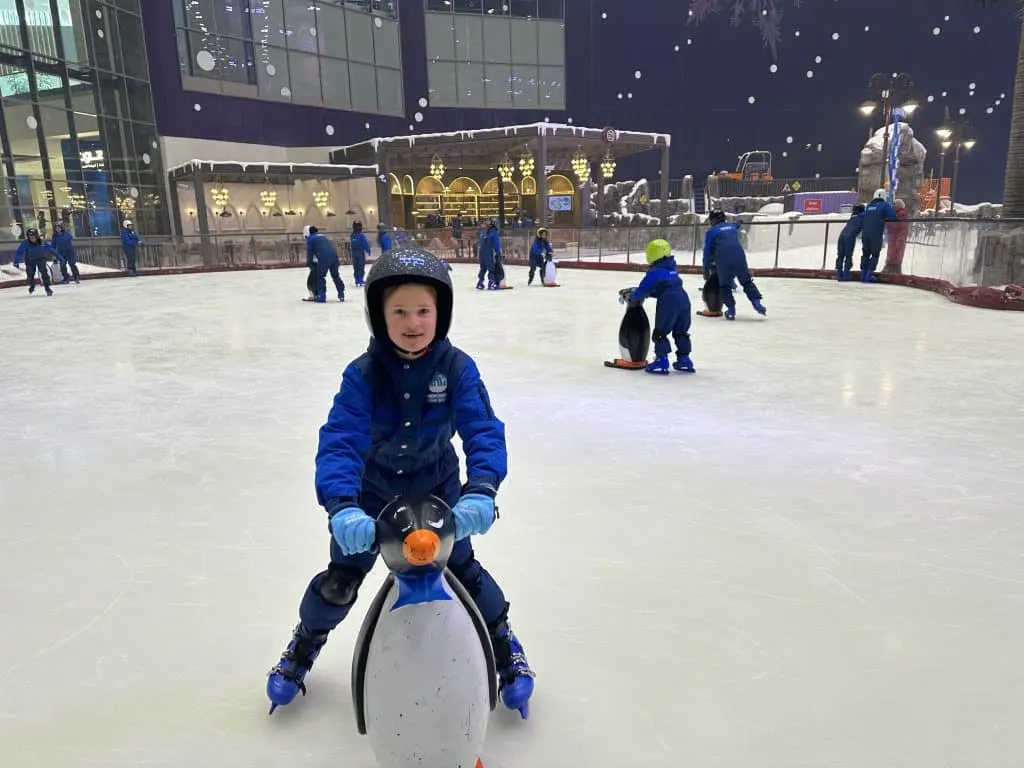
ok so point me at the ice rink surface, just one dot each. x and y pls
(809, 553)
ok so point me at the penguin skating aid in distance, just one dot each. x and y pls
(634, 335)
(549, 278)
(423, 675)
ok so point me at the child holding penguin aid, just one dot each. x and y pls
(672, 312)
(390, 433)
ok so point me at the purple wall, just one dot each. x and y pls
(716, 87)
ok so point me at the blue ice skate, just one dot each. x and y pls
(730, 313)
(759, 307)
(684, 364)
(288, 678)
(515, 678)
(658, 365)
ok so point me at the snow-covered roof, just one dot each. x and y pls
(307, 169)
(560, 130)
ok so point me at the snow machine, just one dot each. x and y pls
(634, 335)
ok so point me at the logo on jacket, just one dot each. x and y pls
(437, 390)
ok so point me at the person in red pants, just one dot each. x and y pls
(897, 232)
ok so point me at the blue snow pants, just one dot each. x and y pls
(735, 269)
(672, 316)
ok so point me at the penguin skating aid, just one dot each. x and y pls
(634, 336)
(423, 674)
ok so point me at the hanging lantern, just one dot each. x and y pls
(505, 168)
(526, 164)
(322, 198)
(580, 164)
(219, 195)
(608, 165)
(125, 204)
(437, 167)
(268, 197)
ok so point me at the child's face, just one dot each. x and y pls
(410, 313)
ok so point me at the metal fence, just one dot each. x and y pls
(962, 252)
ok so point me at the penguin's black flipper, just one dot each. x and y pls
(481, 632)
(362, 652)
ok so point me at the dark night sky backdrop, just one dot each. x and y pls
(699, 93)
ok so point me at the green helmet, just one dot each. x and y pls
(657, 249)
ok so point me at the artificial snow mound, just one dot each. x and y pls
(909, 175)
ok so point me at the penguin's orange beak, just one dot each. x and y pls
(421, 547)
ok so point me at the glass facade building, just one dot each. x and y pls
(496, 54)
(339, 54)
(77, 127)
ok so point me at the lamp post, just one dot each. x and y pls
(889, 91)
(958, 134)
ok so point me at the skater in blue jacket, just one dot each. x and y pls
(390, 433)
(723, 249)
(130, 243)
(360, 247)
(63, 245)
(490, 258)
(877, 212)
(540, 252)
(35, 253)
(848, 241)
(672, 313)
(322, 255)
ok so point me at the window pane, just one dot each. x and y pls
(441, 80)
(73, 31)
(140, 101)
(334, 80)
(551, 36)
(496, 90)
(470, 79)
(272, 74)
(439, 5)
(496, 7)
(523, 8)
(389, 91)
(133, 46)
(497, 45)
(552, 87)
(229, 18)
(364, 86)
(468, 6)
(268, 27)
(360, 37)
(300, 21)
(469, 42)
(386, 49)
(440, 37)
(551, 9)
(524, 85)
(524, 41)
(305, 78)
(330, 31)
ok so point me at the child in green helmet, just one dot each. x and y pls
(672, 313)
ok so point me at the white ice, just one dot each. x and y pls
(806, 554)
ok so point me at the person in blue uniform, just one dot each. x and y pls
(390, 433)
(848, 241)
(722, 248)
(360, 247)
(130, 243)
(383, 238)
(489, 257)
(322, 255)
(876, 214)
(62, 243)
(672, 313)
(35, 253)
(540, 252)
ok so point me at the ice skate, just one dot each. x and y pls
(658, 365)
(515, 678)
(684, 364)
(288, 678)
(730, 313)
(759, 307)
(479, 285)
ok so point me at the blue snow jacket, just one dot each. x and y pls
(29, 252)
(360, 245)
(320, 250)
(853, 228)
(62, 244)
(875, 215)
(130, 239)
(661, 278)
(384, 241)
(490, 245)
(390, 429)
(539, 250)
(722, 246)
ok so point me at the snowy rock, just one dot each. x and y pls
(910, 174)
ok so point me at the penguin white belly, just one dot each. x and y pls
(426, 692)
(550, 272)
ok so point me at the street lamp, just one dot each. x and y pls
(891, 91)
(958, 134)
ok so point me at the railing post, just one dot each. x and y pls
(778, 240)
(824, 253)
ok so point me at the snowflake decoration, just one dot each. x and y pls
(766, 15)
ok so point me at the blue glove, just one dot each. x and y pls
(474, 514)
(354, 530)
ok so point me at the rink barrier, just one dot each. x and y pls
(973, 262)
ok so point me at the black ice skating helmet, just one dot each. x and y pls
(405, 265)
(716, 217)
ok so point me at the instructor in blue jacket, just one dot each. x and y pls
(877, 212)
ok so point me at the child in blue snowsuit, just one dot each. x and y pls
(722, 248)
(390, 433)
(65, 248)
(672, 312)
(360, 250)
(383, 238)
(540, 252)
(35, 254)
(320, 252)
(848, 241)
(877, 212)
